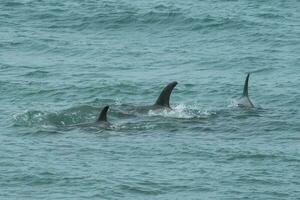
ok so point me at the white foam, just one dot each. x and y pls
(118, 102)
(181, 111)
(233, 103)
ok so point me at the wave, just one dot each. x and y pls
(66, 117)
(151, 18)
(110, 15)
(37, 74)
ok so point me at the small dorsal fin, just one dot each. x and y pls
(245, 92)
(103, 114)
(164, 97)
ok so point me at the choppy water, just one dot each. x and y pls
(61, 61)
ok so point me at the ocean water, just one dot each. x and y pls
(61, 61)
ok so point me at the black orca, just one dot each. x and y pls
(163, 101)
(102, 119)
(245, 101)
(100, 122)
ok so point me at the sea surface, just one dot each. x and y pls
(62, 61)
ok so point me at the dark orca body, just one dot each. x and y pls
(162, 102)
(101, 121)
(245, 101)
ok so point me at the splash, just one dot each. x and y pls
(182, 111)
(233, 103)
(29, 118)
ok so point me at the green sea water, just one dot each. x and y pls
(62, 61)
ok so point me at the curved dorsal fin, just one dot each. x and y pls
(245, 92)
(103, 114)
(164, 97)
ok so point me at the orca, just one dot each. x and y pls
(244, 100)
(101, 120)
(163, 100)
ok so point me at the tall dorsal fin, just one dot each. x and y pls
(245, 92)
(164, 97)
(103, 115)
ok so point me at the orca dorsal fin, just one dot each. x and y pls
(245, 92)
(103, 114)
(164, 97)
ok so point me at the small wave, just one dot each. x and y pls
(250, 156)
(147, 188)
(117, 126)
(36, 74)
(109, 16)
(264, 69)
(12, 4)
(43, 119)
(270, 15)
